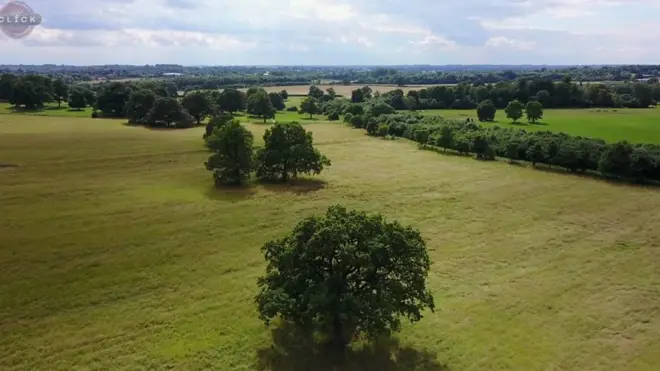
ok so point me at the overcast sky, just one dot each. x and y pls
(264, 32)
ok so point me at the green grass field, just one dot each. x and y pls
(634, 125)
(118, 254)
(49, 110)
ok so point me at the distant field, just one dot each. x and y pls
(634, 125)
(118, 254)
(344, 90)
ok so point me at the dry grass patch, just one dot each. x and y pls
(117, 253)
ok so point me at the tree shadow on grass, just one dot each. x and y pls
(54, 108)
(442, 151)
(297, 186)
(598, 176)
(293, 351)
(159, 128)
(231, 193)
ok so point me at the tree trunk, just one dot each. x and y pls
(264, 119)
(59, 103)
(310, 116)
(338, 336)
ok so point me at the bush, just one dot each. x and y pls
(292, 109)
(96, 114)
(348, 117)
(333, 116)
(383, 130)
(358, 122)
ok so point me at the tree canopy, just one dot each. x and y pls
(288, 151)
(346, 274)
(232, 160)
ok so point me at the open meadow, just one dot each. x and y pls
(634, 125)
(117, 253)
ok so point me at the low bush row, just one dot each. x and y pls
(640, 162)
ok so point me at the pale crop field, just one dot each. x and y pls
(116, 253)
(344, 90)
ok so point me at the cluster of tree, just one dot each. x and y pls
(640, 162)
(563, 94)
(366, 273)
(514, 110)
(287, 152)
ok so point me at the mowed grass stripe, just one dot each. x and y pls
(142, 264)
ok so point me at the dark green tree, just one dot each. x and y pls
(511, 150)
(259, 104)
(30, 94)
(315, 92)
(113, 97)
(288, 151)
(310, 106)
(139, 106)
(232, 160)
(534, 111)
(615, 159)
(77, 99)
(230, 100)
(347, 274)
(536, 153)
(60, 91)
(514, 110)
(446, 138)
(90, 96)
(486, 111)
(284, 94)
(216, 121)
(7, 82)
(277, 101)
(198, 104)
(169, 112)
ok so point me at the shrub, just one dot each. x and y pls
(333, 116)
(292, 109)
(348, 118)
(383, 130)
(358, 122)
(96, 114)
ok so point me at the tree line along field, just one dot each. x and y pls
(531, 269)
(637, 126)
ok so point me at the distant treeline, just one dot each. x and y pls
(563, 94)
(213, 77)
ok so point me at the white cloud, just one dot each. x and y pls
(504, 42)
(434, 41)
(341, 32)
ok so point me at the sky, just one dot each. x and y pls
(341, 32)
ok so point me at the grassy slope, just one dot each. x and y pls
(635, 125)
(118, 254)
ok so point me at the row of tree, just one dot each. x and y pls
(639, 162)
(287, 152)
(563, 94)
